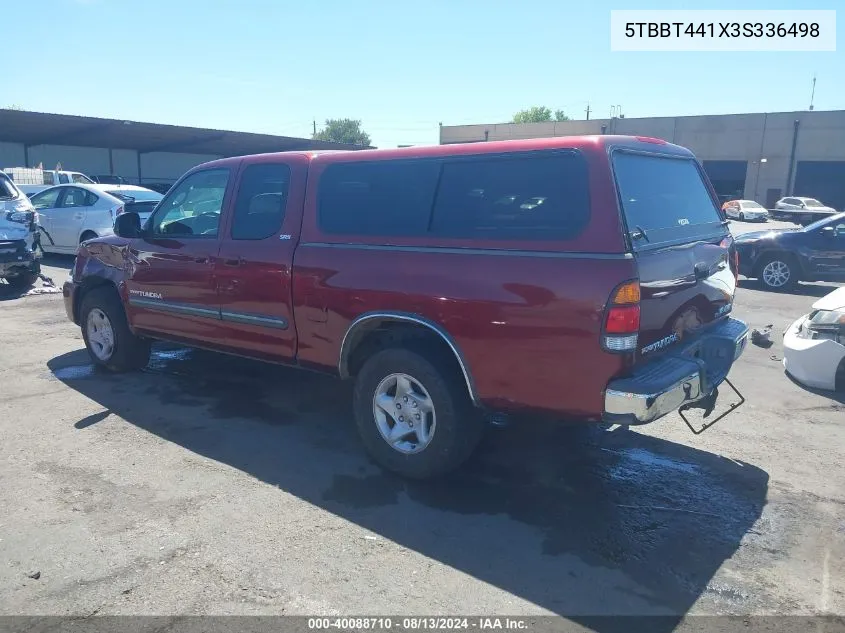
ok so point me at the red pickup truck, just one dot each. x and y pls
(588, 279)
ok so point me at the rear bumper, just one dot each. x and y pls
(685, 374)
(69, 290)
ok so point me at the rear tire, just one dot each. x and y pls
(453, 428)
(88, 235)
(778, 272)
(108, 339)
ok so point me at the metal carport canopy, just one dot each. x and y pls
(38, 128)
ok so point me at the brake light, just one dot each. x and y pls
(726, 244)
(622, 318)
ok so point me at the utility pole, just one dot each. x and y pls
(813, 93)
(588, 110)
(315, 127)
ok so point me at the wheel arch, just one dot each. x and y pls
(370, 322)
(88, 284)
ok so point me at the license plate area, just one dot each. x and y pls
(723, 400)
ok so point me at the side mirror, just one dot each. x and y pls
(828, 231)
(128, 225)
(802, 206)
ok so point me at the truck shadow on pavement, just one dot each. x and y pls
(582, 523)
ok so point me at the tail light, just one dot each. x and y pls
(622, 318)
(727, 243)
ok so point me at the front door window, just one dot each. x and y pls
(193, 208)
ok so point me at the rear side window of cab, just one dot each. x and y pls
(537, 196)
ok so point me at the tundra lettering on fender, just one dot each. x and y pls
(146, 294)
(545, 277)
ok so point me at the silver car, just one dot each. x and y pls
(19, 259)
(71, 214)
(805, 210)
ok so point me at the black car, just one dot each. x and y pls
(782, 257)
(110, 180)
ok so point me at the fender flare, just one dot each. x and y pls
(365, 322)
(95, 274)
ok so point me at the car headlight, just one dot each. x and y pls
(827, 320)
(824, 324)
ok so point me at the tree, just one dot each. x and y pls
(536, 114)
(539, 114)
(343, 131)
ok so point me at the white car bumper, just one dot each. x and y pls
(755, 215)
(812, 362)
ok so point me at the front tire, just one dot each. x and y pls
(414, 414)
(108, 339)
(741, 216)
(778, 272)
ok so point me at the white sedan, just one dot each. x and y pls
(71, 214)
(814, 346)
(137, 199)
(745, 210)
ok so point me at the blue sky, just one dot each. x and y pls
(274, 66)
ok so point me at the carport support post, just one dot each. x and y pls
(788, 188)
(111, 163)
(26, 155)
(138, 156)
(760, 158)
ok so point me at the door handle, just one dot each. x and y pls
(234, 262)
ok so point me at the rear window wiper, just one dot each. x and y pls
(639, 234)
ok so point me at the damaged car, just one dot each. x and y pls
(19, 260)
(780, 258)
(814, 346)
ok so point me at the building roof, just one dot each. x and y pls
(38, 128)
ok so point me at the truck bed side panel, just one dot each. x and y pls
(527, 325)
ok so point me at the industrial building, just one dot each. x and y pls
(142, 153)
(760, 157)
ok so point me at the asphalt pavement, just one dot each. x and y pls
(210, 484)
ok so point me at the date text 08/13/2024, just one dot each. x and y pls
(418, 623)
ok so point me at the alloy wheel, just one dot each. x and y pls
(776, 274)
(404, 413)
(100, 333)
